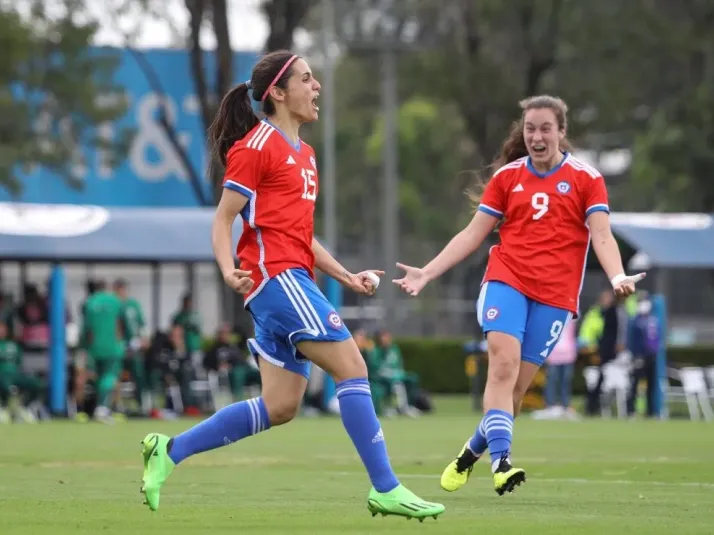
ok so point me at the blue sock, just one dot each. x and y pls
(362, 426)
(499, 432)
(228, 425)
(478, 443)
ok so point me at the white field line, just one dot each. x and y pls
(579, 481)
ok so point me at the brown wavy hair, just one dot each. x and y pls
(514, 146)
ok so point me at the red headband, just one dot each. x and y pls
(277, 77)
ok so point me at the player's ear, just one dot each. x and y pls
(561, 135)
(277, 93)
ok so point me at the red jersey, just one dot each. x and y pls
(280, 181)
(544, 236)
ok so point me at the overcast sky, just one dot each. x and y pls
(248, 27)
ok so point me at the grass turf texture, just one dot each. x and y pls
(590, 477)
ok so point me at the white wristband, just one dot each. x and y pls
(617, 279)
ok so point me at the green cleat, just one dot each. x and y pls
(157, 467)
(402, 502)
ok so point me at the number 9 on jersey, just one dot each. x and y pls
(539, 202)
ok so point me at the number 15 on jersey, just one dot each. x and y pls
(309, 191)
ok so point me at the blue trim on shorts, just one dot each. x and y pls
(288, 310)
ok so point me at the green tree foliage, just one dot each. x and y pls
(674, 153)
(432, 153)
(54, 92)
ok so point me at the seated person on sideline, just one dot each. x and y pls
(11, 375)
(228, 356)
(366, 348)
(396, 380)
(170, 367)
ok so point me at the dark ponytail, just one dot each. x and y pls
(234, 119)
(235, 116)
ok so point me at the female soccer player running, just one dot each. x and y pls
(271, 181)
(551, 204)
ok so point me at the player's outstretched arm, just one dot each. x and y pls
(327, 263)
(608, 254)
(229, 207)
(462, 245)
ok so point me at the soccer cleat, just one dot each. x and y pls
(81, 417)
(457, 473)
(506, 478)
(157, 467)
(402, 502)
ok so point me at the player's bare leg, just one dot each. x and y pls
(526, 374)
(496, 428)
(282, 393)
(343, 361)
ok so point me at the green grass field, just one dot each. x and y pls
(590, 477)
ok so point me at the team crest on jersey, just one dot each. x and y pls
(563, 187)
(334, 320)
(492, 313)
(312, 161)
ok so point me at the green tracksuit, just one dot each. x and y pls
(11, 374)
(103, 338)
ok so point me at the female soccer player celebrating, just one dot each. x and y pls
(271, 181)
(551, 204)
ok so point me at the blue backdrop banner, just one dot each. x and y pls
(152, 173)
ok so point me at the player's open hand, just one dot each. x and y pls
(239, 280)
(624, 285)
(362, 284)
(413, 281)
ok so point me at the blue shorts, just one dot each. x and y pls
(290, 308)
(537, 326)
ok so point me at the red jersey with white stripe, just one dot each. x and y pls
(280, 181)
(544, 236)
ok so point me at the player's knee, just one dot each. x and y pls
(503, 364)
(281, 411)
(351, 368)
(349, 365)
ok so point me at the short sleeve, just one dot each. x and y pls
(596, 196)
(243, 170)
(493, 201)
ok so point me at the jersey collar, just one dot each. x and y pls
(555, 169)
(296, 146)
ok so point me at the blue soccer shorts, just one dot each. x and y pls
(537, 327)
(289, 309)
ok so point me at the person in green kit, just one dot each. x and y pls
(396, 380)
(189, 319)
(11, 375)
(229, 355)
(103, 339)
(371, 358)
(134, 324)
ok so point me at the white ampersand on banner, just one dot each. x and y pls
(150, 134)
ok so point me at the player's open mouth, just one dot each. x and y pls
(314, 103)
(539, 149)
